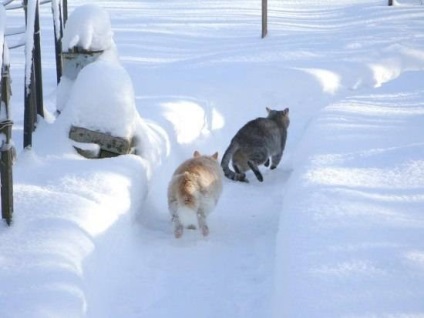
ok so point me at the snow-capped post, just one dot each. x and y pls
(6, 147)
(75, 59)
(264, 18)
(87, 36)
(80, 46)
(111, 132)
(33, 76)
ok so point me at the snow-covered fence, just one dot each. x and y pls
(33, 89)
(60, 15)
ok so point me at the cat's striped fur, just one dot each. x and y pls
(255, 144)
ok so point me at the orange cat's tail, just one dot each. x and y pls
(188, 199)
(187, 190)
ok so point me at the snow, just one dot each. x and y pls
(102, 99)
(88, 27)
(363, 217)
(335, 231)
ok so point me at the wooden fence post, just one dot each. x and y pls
(390, 2)
(58, 34)
(7, 150)
(264, 18)
(6, 161)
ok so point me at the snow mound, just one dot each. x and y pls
(89, 28)
(102, 99)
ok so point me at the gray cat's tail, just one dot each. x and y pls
(225, 164)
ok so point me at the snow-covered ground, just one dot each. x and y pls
(335, 231)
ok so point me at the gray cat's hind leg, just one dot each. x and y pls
(255, 170)
(240, 176)
(236, 168)
(275, 160)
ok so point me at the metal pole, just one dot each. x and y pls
(28, 113)
(33, 99)
(264, 18)
(37, 63)
(28, 106)
(58, 41)
(65, 11)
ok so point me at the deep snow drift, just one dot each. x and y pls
(335, 231)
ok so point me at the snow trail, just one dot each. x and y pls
(229, 273)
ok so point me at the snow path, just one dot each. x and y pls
(217, 274)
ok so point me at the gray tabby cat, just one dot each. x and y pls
(254, 143)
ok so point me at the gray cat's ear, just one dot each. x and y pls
(196, 154)
(268, 110)
(215, 155)
(286, 111)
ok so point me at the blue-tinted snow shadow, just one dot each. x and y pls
(356, 207)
